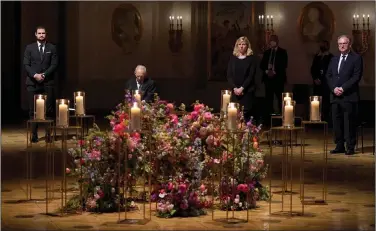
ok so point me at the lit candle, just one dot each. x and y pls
(271, 19)
(357, 19)
(63, 114)
(315, 109)
(354, 19)
(232, 115)
(288, 115)
(287, 98)
(137, 97)
(267, 19)
(80, 105)
(225, 100)
(259, 19)
(40, 108)
(135, 117)
(368, 21)
(262, 19)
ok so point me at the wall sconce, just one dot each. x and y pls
(361, 36)
(175, 35)
(265, 30)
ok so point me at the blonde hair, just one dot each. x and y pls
(246, 41)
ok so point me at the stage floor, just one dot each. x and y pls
(351, 197)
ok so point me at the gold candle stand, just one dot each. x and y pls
(144, 220)
(231, 138)
(83, 122)
(324, 169)
(64, 153)
(49, 153)
(287, 168)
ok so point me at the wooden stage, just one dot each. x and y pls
(351, 194)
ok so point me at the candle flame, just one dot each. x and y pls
(40, 96)
(135, 104)
(136, 92)
(357, 15)
(354, 16)
(315, 98)
(271, 16)
(231, 105)
(367, 16)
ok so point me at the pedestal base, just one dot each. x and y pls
(134, 221)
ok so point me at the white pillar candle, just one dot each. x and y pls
(40, 109)
(135, 117)
(315, 110)
(63, 115)
(225, 100)
(289, 115)
(232, 115)
(80, 105)
(137, 97)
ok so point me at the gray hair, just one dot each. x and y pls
(140, 67)
(345, 36)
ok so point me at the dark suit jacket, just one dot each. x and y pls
(35, 65)
(348, 78)
(148, 88)
(280, 65)
(320, 63)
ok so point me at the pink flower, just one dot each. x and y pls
(119, 128)
(174, 119)
(67, 170)
(260, 162)
(242, 188)
(194, 115)
(95, 155)
(210, 140)
(198, 107)
(170, 186)
(182, 188)
(202, 188)
(170, 106)
(208, 116)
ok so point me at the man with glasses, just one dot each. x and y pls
(142, 83)
(343, 76)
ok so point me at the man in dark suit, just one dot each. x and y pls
(142, 83)
(343, 76)
(274, 64)
(40, 61)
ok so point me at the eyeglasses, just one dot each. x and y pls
(339, 44)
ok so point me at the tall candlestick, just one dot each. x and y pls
(288, 115)
(135, 117)
(63, 115)
(40, 109)
(262, 19)
(367, 22)
(259, 21)
(232, 115)
(80, 105)
(357, 21)
(271, 20)
(225, 100)
(354, 22)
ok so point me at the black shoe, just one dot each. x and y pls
(336, 151)
(350, 152)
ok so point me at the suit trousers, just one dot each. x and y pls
(273, 87)
(50, 106)
(344, 115)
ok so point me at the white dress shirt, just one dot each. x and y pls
(44, 45)
(341, 59)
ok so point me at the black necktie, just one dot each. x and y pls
(342, 63)
(41, 51)
(272, 56)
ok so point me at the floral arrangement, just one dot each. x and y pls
(184, 154)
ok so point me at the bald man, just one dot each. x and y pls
(143, 83)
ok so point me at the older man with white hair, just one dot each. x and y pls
(142, 83)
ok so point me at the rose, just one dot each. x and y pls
(208, 116)
(198, 107)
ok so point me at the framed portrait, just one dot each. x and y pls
(126, 27)
(316, 22)
(227, 21)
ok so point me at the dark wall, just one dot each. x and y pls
(10, 62)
